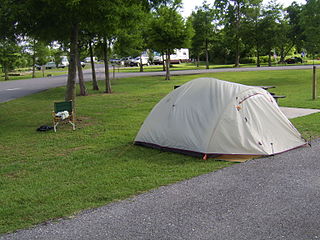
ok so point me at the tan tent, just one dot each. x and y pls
(208, 116)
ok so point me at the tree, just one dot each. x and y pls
(310, 22)
(63, 19)
(88, 41)
(57, 54)
(40, 52)
(55, 20)
(9, 54)
(83, 89)
(94, 78)
(294, 12)
(113, 18)
(285, 44)
(106, 24)
(169, 31)
(133, 39)
(270, 22)
(290, 32)
(252, 31)
(9, 49)
(232, 14)
(202, 21)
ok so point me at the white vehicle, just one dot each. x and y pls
(88, 59)
(136, 61)
(125, 61)
(64, 62)
(157, 59)
(179, 56)
(50, 65)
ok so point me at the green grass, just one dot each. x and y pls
(47, 175)
(26, 73)
(192, 66)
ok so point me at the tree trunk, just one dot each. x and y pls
(6, 72)
(269, 58)
(163, 63)
(34, 59)
(282, 55)
(167, 65)
(258, 58)
(237, 60)
(198, 59)
(285, 53)
(83, 90)
(93, 70)
(207, 55)
(141, 66)
(106, 65)
(72, 69)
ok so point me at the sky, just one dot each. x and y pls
(189, 5)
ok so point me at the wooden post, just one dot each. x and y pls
(314, 84)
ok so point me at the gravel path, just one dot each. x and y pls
(269, 198)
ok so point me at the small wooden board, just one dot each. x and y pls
(236, 158)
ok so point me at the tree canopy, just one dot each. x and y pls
(169, 31)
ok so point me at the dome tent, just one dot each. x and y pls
(208, 116)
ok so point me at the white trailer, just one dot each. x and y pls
(179, 56)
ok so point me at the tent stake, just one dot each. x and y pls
(309, 143)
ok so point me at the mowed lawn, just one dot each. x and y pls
(47, 175)
(26, 73)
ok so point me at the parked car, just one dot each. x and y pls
(114, 61)
(125, 61)
(157, 60)
(88, 59)
(136, 61)
(50, 65)
(37, 66)
(63, 64)
(293, 60)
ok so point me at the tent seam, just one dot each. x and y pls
(220, 118)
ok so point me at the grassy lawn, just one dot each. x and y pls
(47, 175)
(26, 73)
(192, 66)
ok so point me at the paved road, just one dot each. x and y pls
(14, 89)
(269, 198)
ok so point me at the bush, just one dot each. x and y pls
(248, 60)
(264, 59)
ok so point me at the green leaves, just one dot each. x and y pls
(310, 21)
(9, 55)
(168, 30)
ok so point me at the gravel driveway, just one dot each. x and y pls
(269, 198)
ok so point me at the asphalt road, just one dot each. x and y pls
(10, 90)
(268, 198)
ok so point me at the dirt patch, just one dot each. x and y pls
(15, 175)
(84, 121)
(69, 150)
